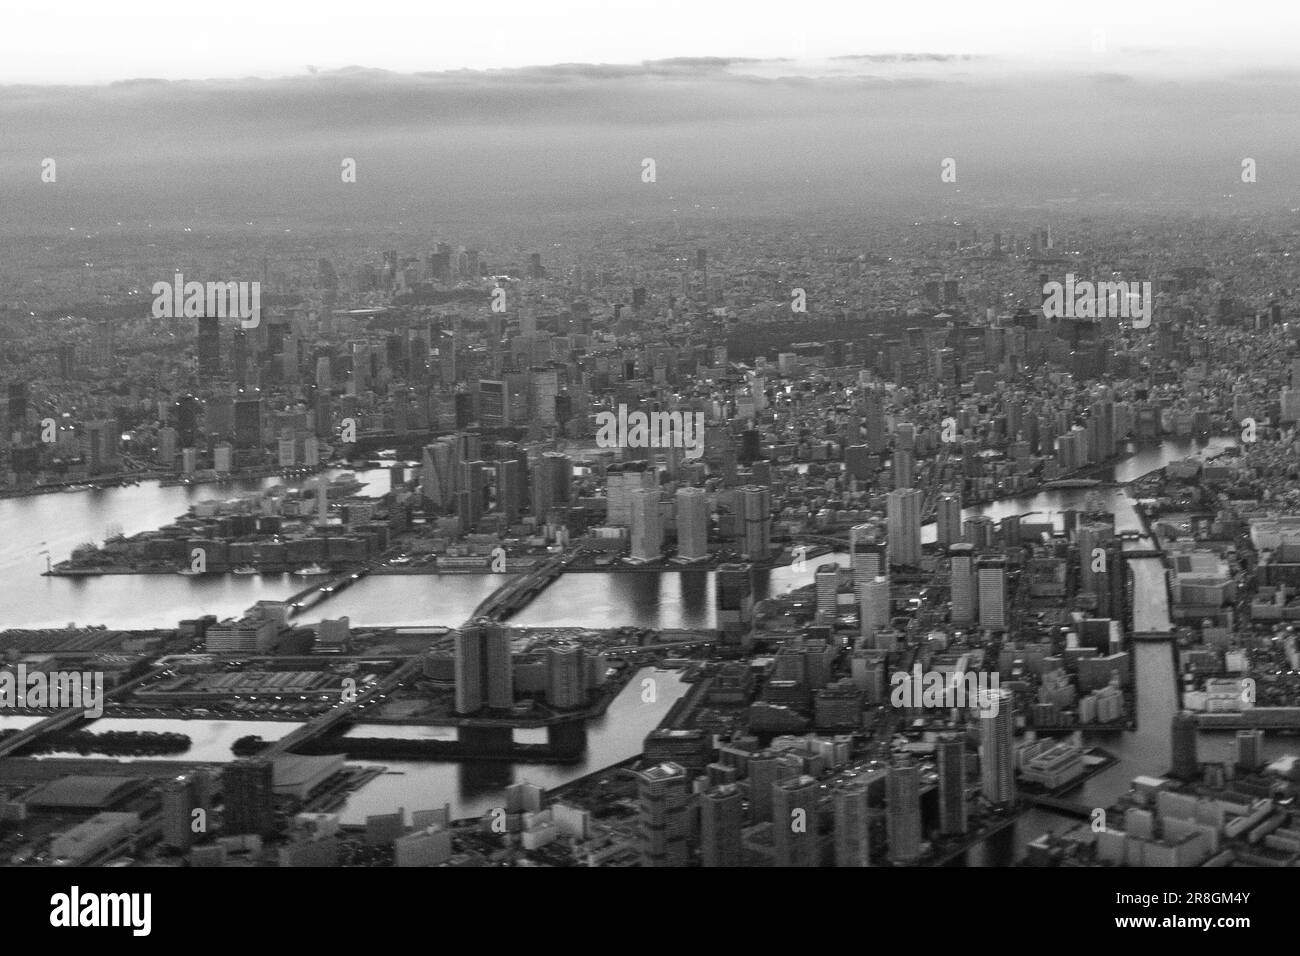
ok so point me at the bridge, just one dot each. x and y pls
(66, 718)
(319, 725)
(514, 594)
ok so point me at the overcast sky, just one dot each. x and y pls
(245, 109)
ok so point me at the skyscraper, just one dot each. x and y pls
(483, 668)
(950, 752)
(873, 609)
(827, 579)
(794, 821)
(754, 504)
(992, 575)
(721, 820)
(209, 346)
(551, 483)
(868, 554)
(962, 579)
(734, 585)
(997, 749)
(663, 819)
(904, 469)
(248, 794)
(692, 524)
(903, 812)
(1184, 763)
(511, 488)
(948, 525)
(852, 825)
(647, 525)
(904, 510)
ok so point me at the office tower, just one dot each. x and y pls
(322, 501)
(209, 346)
(868, 554)
(551, 483)
(102, 445)
(438, 473)
(962, 578)
(948, 526)
(248, 423)
(873, 609)
(1184, 764)
(904, 510)
(663, 820)
(1092, 537)
(978, 531)
(621, 480)
(566, 685)
(483, 668)
(647, 525)
(794, 821)
(904, 469)
(543, 386)
(852, 825)
(827, 579)
(734, 585)
(248, 794)
(474, 492)
(997, 748)
(873, 415)
(692, 524)
(991, 573)
(181, 796)
(722, 816)
(950, 754)
(493, 404)
(1250, 750)
(754, 509)
(535, 268)
(511, 489)
(903, 812)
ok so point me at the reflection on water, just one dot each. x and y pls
(474, 788)
(210, 740)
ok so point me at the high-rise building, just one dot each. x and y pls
(997, 748)
(852, 825)
(827, 580)
(722, 816)
(438, 473)
(248, 794)
(692, 524)
(493, 404)
(181, 796)
(868, 554)
(904, 510)
(794, 821)
(991, 572)
(734, 584)
(903, 812)
(754, 510)
(873, 609)
(647, 525)
(1250, 750)
(948, 525)
(962, 579)
(511, 488)
(248, 423)
(663, 820)
(904, 468)
(552, 482)
(209, 346)
(484, 677)
(566, 685)
(873, 415)
(1184, 764)
(950, 754)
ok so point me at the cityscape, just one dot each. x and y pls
(675, 531)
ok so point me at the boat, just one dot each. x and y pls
(189, 572)
(246, 569)
(311, 571)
